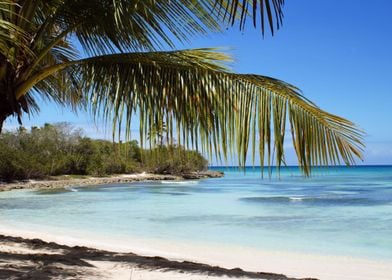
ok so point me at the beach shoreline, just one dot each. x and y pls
(229, 261)
(172, 252)
(64, 181)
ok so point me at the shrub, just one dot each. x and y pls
(173, 160)
(59, 149)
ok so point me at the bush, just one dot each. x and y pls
(173, 160)
(59, 149)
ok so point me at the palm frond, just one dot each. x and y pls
(264, 11)
(12, 36)
(205, 106)
(200, 101)
(129, 25)
(319, 138)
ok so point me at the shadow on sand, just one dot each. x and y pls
(73, 263)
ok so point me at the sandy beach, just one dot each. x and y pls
(152, 259)
(23, 258)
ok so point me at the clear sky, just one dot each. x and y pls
(339, 53)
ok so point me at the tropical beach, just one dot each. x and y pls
(286, 226)
(211, 139)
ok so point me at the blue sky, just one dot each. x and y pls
(337, 52)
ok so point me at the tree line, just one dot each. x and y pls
(60, 149)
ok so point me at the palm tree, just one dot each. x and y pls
(157, 133)
(124, 71)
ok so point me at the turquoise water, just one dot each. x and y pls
(339, 211)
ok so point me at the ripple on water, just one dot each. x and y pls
(317, 201)
(23, 204)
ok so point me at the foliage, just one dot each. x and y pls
(172, 160)
(59, 149)
(201, 101)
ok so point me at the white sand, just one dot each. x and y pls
(124, 272)
(291, 264)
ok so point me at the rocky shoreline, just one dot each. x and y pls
(124, 178)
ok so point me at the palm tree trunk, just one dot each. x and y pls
(5, 110)
(2, 120)
(9, 104)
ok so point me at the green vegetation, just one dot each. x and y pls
(194, 92)
(172, 160)
(58, 149)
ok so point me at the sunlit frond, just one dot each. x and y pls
(129, 25)
(199, 100)
(204, 105)
(319, 138)
(12, 36)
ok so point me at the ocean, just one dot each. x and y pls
(345, 211)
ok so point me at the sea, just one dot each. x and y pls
(345, 211)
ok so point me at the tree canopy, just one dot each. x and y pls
(201, 101)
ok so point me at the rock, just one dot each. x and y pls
(202, 175)
(53, 184)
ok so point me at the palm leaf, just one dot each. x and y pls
(148, 25)
(202, 103)
(131, 25)
(210, 108)
(12, 36)
(266, 11)
(319, 138)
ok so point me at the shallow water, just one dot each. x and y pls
(339, 211)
